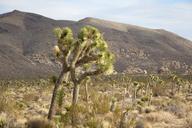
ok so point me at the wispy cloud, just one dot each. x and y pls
(173, 15)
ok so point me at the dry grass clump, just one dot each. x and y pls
(176, 107)
(40, 123)
(101, 103)
(8, 121)
(3, 120)
(30, 97)
(3, 100)
(117, 114)
(81, 111)
(159, 101)
(93, 123)
(159, 90)
(3, 104)
(188, 121)
(160, 116)
(7, 105)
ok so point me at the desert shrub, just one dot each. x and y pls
(142, 124)
(118, 96)
(6, 104)
(79, 110)
(30, 97)
(3, 121)
(7, 121)
(101, 104)
(128, 119)
(3, 100)
(176, 107)
(159, 90)
(40, 123)
(60, 98)
(66, 118)
(188, 123)
(93, 123)
(3, 104)
(145, 98)
(160, 117)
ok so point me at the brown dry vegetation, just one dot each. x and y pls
(111, 104)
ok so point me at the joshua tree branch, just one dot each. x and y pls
(91, 73)
(87, 59)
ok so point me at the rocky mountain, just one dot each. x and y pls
(26, 42)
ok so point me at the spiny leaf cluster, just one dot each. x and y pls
(89, 51)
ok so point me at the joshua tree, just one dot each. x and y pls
(85, 56)
(155, 82)
(136, 88)
(62, 51)
(180, 83)
(173, 78)
(177, 83)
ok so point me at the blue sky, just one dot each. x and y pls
(172, 15)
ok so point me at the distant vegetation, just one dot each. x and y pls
(119, 100)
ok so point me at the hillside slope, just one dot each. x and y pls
(26, 42)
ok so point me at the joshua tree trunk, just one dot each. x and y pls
(75, 94)
(53, 100)
(74, 103)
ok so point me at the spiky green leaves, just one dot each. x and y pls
(64, 33)
(89, 44)
(156, 79)
(57, 32)
(98, 47)
(65, 38)
(89, 32)
(105, 62)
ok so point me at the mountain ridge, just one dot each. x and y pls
(27, 41)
